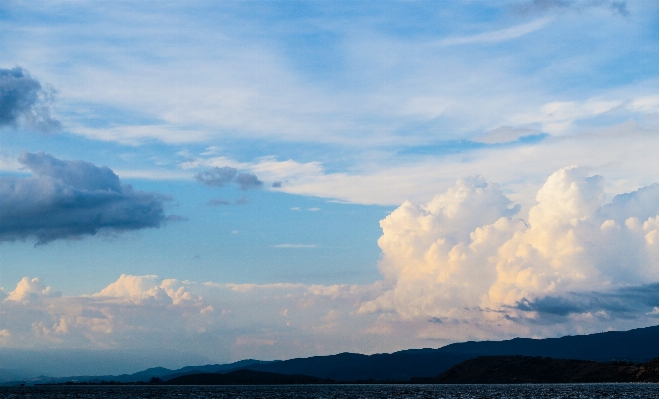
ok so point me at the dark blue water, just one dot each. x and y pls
(341, 391)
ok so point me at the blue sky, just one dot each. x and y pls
(411, 163)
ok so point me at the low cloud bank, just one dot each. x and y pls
(71, 199)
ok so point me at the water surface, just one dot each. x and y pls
(525, 391)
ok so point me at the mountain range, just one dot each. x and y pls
(635, 346)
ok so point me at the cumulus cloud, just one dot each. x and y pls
(24, 102)
(31, 290)
(465, 255)
(70, 199)
(212, 319)
(466, 265)
(148, 288)
(221, 176)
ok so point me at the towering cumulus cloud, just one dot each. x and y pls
(23, 101)
(68, 199)
(465, 255)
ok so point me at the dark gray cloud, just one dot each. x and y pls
(223, 202)
(627, 302)
(217, 177)
(71, 199)
(220, 177)
(543, 6)
(24, 102)
(248, 181)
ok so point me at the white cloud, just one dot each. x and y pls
(138, 134)
(619, 152)
(558, 117)
(498, 35)
(213, 319)
(141, 288)
(31, 290)
(646, 104)
(463, 257)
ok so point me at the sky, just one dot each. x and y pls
(205, 182)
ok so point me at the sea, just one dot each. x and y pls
(522, 391)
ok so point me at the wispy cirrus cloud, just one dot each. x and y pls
(497, 36)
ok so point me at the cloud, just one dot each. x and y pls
(24, 102)
(148, 312)
(71, 199)
(217, 177)
(248, 181)
(221, 176)
(222, 202)
(218, 202)
(498, 35)
(31, 290)
(625, 302)
(148, 288)
(543, 6)
(559, 117)
(505, 134)
(466, 256)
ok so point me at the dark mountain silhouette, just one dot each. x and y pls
(638, 345)
(527, 369)
(148, 374)
(245, 377)
(397, 366)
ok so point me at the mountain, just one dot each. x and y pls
(638, 345)
(146, 375)
(211, 368)
(245, 377)
(397, 366)
(527, 369)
